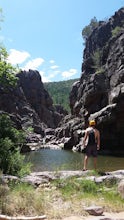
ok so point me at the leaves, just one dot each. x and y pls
(7, 71)
(89, 28)
(59, 92)
(11, 139)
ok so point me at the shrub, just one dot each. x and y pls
(11, 140)
(96, 59)
(87, 30)
(116, 30)
(7, 71)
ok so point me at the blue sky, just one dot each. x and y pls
(46, 34)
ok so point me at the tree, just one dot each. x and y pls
(11, 139)
(89, 28)
(7, 71)
(59, 91)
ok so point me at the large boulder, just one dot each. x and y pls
(39, 98)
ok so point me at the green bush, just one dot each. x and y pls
(11, 140)
(72, 185)
(87, 30)
(7, 71)
(116, 30)
(89, 186)
(96, 59)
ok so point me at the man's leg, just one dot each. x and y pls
(85, 162)
(95, 162)
(95, 156)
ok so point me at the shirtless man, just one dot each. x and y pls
(92, 137)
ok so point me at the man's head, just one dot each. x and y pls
(92, 123)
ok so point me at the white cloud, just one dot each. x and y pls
(34, 64)
(53, 74)
(69, 73)
(44, 78)
(17, 57)
(54, 67)
(52, 61)
(50, 75)
(49, 72)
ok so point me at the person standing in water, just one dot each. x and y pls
(92, 137)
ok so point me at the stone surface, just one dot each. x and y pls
(39, 99)
(121, 188)
(5, 217)
(106, 216)
(39, 178)
(95, 210)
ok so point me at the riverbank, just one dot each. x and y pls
(63, 195)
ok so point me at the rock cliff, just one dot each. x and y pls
(100, 92)
(38, 98)
(29, 104)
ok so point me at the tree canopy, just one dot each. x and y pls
(7, 71)
(87, 30)
(11, 139)
(59, 91)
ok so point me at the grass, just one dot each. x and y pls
(59, 198)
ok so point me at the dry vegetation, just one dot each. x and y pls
(58, 199)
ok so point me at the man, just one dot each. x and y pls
(92, 137)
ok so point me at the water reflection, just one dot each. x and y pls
(53, 160)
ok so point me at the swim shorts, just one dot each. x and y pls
(91, 150)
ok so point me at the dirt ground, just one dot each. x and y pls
(105, 216)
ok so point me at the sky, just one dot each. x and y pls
(46, 35)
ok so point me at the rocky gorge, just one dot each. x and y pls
(99, 94)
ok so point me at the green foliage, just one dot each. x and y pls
(11, 140)
(97, 62)
(29, 129)
(96, 57)
(100, 70)
(89, 28)
(59, 91)
(71, 186)
(7, 71)
(23, 199)
(89, 186)
(85, 187)
(116, 30)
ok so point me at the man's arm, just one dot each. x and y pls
(85, 138)
(98, 140)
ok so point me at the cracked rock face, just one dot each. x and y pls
(29, 104)
(100, 92)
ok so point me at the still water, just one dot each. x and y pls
(55, 160)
